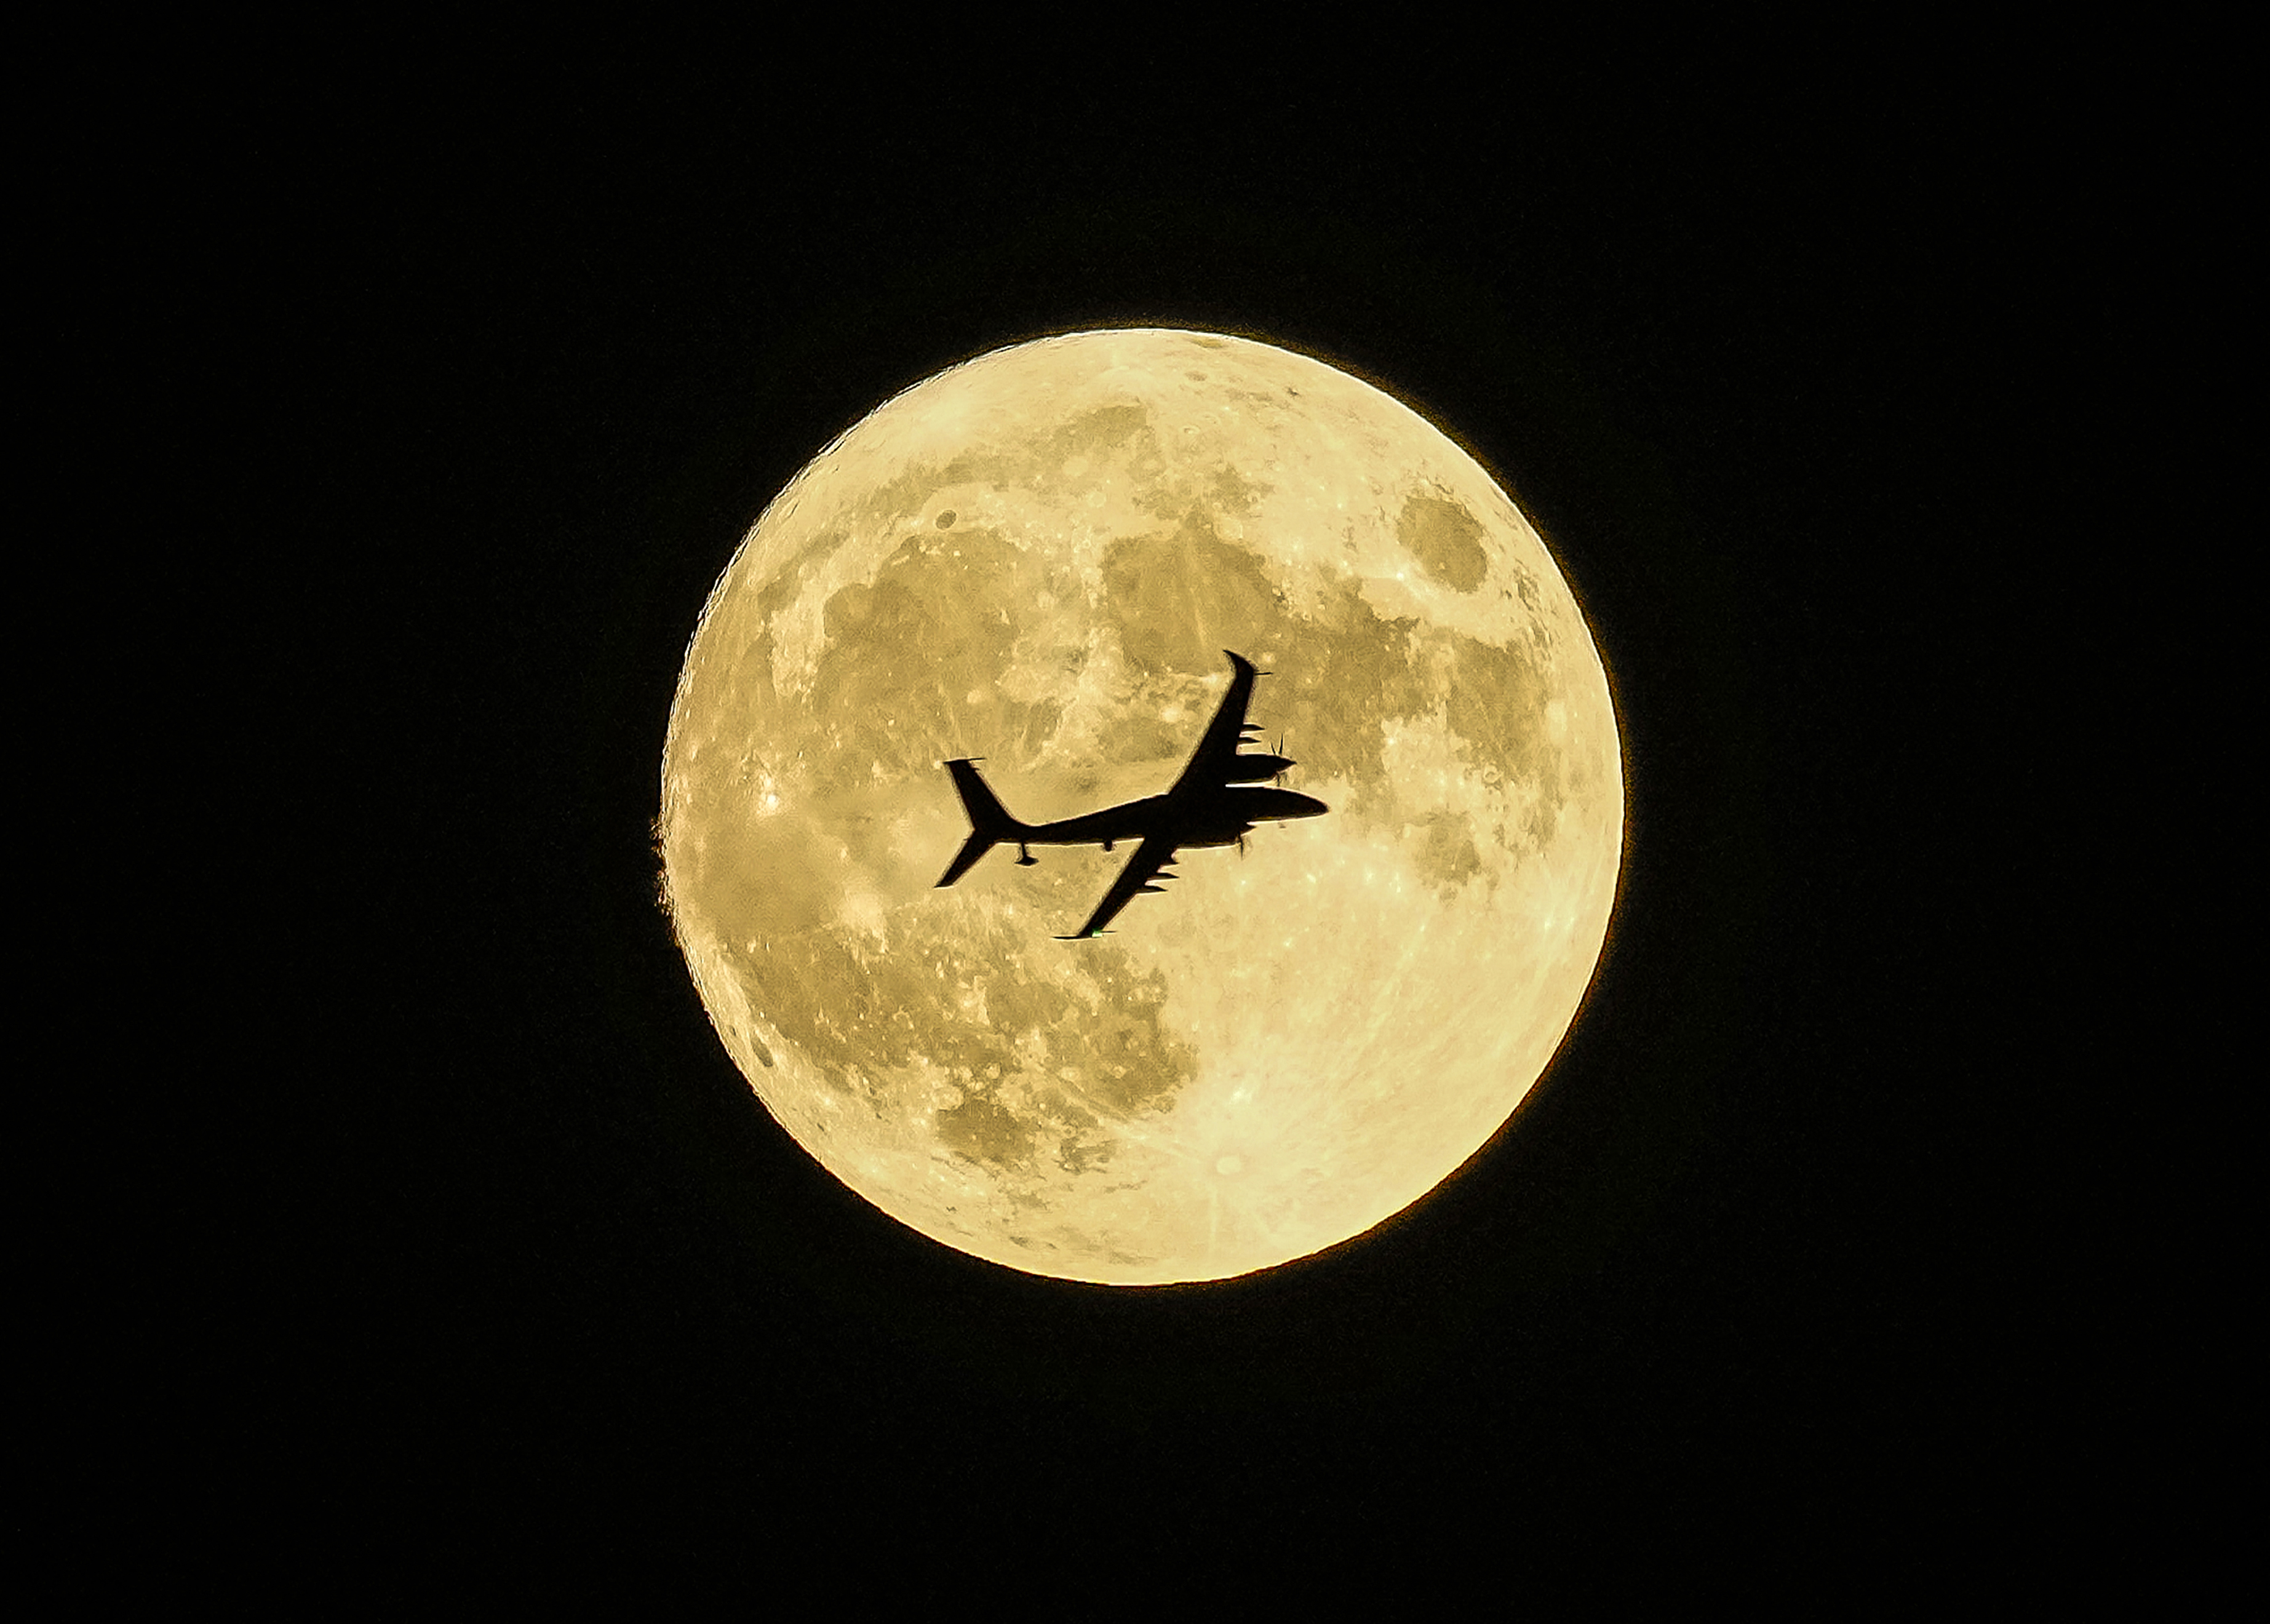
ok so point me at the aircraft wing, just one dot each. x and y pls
(1142, 870)
(1210, 761)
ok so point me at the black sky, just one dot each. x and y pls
(529, 346)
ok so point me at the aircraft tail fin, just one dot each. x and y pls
(989, 822)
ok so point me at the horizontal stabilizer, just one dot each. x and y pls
(989, 822)
(976, 847)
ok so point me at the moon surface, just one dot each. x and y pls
(1037, 558)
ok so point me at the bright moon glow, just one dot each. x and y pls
(1037, 558)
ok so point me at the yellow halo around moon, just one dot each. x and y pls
(1037, 558)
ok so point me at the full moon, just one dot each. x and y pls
(1037, 558)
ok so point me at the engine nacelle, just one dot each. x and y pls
(1255, 768)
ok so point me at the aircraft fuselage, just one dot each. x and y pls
(1209, 818)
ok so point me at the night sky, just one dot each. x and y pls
(529, 346)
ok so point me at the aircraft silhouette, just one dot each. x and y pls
(1211, 804)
